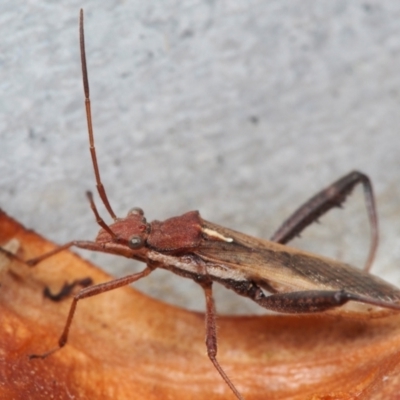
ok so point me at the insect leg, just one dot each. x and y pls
(312, 301)
(67, 288)
(211, 335)
(332, 196)
(89, 292)
(83, 244)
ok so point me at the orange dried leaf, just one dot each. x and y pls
(124, 345)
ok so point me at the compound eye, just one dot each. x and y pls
(135, 242)
(136, 211)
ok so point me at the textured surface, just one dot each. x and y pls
(124, 343)
(241, 110)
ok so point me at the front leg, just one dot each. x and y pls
(332, 196)
(89, 292)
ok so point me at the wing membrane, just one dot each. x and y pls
(286, 269)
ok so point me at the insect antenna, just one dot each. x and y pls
(99, 184)
(100, 220)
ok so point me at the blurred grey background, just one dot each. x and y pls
(239, 109)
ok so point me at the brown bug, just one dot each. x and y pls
(298, 282)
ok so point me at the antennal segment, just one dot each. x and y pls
(99, 184)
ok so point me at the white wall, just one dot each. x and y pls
(240, 109)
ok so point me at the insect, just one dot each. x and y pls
(270, 273)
